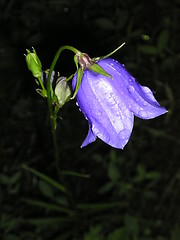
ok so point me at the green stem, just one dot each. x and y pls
(42, 85)
(49, 97)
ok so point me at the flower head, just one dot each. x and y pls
(110, 103)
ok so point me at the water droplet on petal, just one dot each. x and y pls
(123, 116)
(77, 104)
(124, 134)
(79, 109)
(145, 103)
(143, 114)
(131, 89)
(123, 65)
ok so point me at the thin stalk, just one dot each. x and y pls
(49, 97)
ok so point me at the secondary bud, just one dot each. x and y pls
(33, 63)
(62, 91)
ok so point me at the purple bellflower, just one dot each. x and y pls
(110, 103)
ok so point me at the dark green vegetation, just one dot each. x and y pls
(95, 193)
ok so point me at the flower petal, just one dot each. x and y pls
(109, 104)
(101, 104)
(139, 99)
(91, 137)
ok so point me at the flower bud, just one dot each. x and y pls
(33, 63)
(62, 91)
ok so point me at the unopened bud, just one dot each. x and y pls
(62, 91)
(33, 63)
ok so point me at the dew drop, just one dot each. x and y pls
(145, 103)
(77, 104)
(143, 114)
(124, 134)
(123, 116)
(79, 109)
(131, 89)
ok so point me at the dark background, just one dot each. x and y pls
(110, 194)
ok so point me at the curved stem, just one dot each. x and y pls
(49, 97)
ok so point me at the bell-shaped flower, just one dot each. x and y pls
(110, 103)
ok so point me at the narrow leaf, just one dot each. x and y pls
(48, 206)
(45, 178)
(75, 174)
(48, 221)
(97, 69)
(80, 72)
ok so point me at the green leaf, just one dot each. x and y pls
(76, 61)
(118, 234)
(97, 69)
(80, 72)
(150, 50)
(45, 189)
(113, 172)
(132, 225)
(4, 179)
(48, 221)
(94, 233)
(75, 174)
(175, 235)
(48, 206)
(45, 178)
(162, 40)
(100, 206)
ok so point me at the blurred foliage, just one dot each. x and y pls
(95, 193)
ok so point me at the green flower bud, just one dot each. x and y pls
(62, 91)
(33, 63)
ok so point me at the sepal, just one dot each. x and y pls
(80, 72)
(97, 69)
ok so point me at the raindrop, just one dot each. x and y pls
(143, 114)
(123, 116)
(124, 134)
(145, 103)
(131, 89)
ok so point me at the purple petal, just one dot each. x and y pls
(139, 99)
(89, 138)
(99, 101)
(109, 104)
